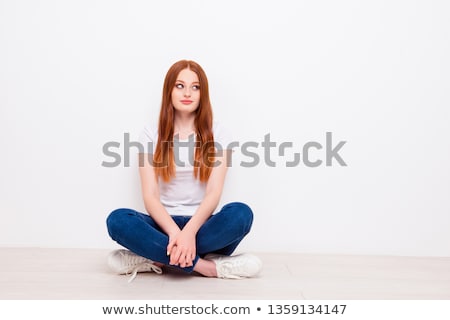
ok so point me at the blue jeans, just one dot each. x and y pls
(221, 233)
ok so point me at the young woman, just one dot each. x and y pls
(182, 175)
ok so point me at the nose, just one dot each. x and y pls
(187, 92)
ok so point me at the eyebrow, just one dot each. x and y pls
(195, 82)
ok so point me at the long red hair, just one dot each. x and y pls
(164, 155)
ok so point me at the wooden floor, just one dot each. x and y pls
(52, 274)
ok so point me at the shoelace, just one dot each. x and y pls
(133, 261)
(229, 270)
(147, 266)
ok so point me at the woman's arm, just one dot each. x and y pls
(185, 250)
(214, 188)
(150, 194)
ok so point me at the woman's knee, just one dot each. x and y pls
(243, 213)
(117, 219)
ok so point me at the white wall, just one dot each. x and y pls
(77, 74)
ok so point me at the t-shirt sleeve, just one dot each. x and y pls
(222, 137)
(148, 139)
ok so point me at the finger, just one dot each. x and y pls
(174, 255)
(189, 256)
(170, 246)
(188, 260)
(182, 260)
(184, 257)
(178, 256)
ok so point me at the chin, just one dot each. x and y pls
(185, 109)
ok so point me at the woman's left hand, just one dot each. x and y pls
(182, 249)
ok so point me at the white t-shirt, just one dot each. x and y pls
(183, 193)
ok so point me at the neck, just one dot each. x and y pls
(184, 124)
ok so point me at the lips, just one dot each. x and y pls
(186, 101)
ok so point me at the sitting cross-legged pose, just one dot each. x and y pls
(182, 168)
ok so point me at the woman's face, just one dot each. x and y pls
(186, 92)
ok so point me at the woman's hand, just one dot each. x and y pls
(182, 249)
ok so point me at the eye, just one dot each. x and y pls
(195, 87)
(179, 86)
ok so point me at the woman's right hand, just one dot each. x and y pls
(181, 249)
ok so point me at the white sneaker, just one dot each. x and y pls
(126, 262)
(236, 267)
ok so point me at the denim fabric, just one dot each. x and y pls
(221, 233)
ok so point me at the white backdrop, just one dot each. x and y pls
(77, 74)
